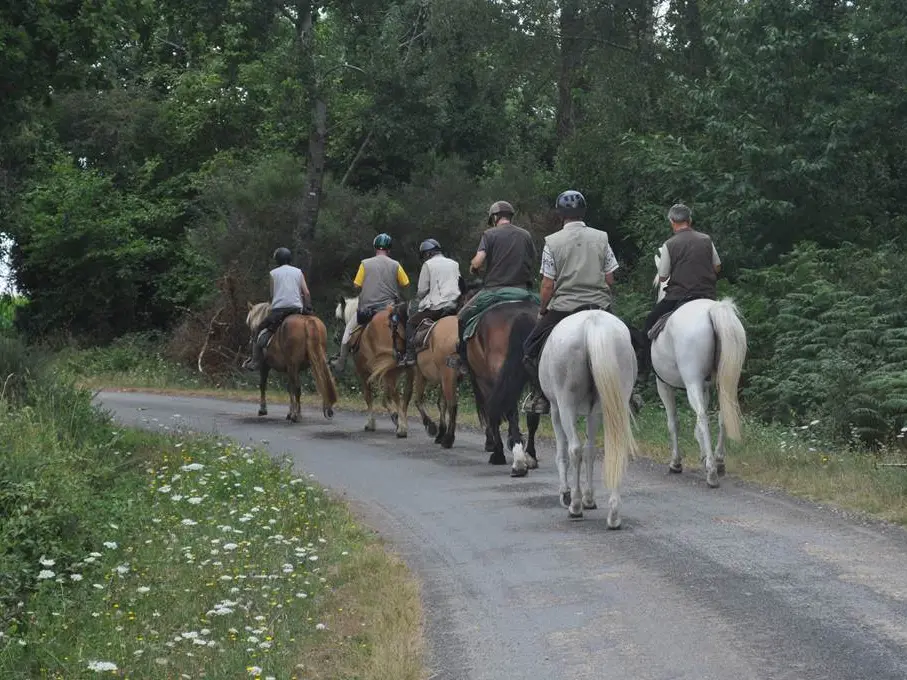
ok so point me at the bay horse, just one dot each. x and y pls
(376, 361)
(496, 347)
(702, 341)
(299, 342)
(433, 367)
(588, 368)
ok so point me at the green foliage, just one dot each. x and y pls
(8, 306)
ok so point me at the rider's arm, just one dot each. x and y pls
(716, 261)
(424, 283)
(360, 276)
(611, 266)
(478, 260)
(549, 275)
(304, 289)
(546, 292)
(664, 264)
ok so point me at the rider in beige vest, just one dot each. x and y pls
(578, 268)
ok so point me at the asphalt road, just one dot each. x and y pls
(728, 584)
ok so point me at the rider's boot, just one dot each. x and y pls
(409, 356)
(535, 401)
(463, 366)
(258, 352)
(338, 364)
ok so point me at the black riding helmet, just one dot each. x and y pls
(571, 204)
(283, 256)
(429, 247)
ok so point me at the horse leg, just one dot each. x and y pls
(263, 386)
(514, 436)
(419, 391)
(719, 447)
(532, 425)
(292, 390)
(666, 392)
(397, 415)
(575, 453)
(593, 423)
(699, 400)
(404, 406)
(560, 454)
(448, 398)
(369, 396)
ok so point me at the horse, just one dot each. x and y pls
(496, 348)
(588, 368)
(433, 367)
(376, 360)
(299, 342)
(703, 341)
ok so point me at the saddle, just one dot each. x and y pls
(660, 325)
(266, 334)
(364, 318)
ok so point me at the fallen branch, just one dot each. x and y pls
(201, 354)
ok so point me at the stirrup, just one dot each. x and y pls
(536, 403)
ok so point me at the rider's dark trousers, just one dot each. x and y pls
(276, 316)
(415, 319)
(658, 311)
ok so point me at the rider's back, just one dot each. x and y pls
(509, 256)
(692, 266)
(581, 255)
(287, 285)
(379, 286)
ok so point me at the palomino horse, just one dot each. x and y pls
(299, 342)
(701, 341)
(432, 367)
(588, 368)
(376, 360)
(497, 347)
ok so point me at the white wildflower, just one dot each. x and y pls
(230, 546)
(195, 500)
(110, 545)
(101, 666)
(192, 467)
(76, 577)
(97, 586)
(188, 522)
(165, 489)
(142, 590)
(45, 573)
(46, 562)
(176, 498)
(254, 670)
(320, 626)
(258, 489)
(123, 569)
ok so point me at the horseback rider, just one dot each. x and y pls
(689, 263)
(440, 286)
(578, 268)
(507, 254)
(289, 295)
(379, 280)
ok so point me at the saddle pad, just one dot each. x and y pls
(487, 300)
(422, 334)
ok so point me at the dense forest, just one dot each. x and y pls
(154, 153)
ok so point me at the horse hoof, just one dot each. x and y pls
(431, 429)
(565, 499)
(328, 412)
(613, 521)
(447, 443)
(262, 411)
(721, 469)
(497, 459)
(402, 435)
(675, 469)
(532, 463)
(289, 417)
(394, 419)
(369, 428)
(518, 473)
(712, 480)
(574, 515)
(489, 448)
(590, 506)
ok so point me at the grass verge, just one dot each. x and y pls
(138, 555)
(793, 460)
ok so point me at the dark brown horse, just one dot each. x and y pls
(487, 350)
(299, 342)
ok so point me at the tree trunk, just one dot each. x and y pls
(570, 62)
(311, 199)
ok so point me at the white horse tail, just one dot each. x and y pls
(731, 354)
(604, 364)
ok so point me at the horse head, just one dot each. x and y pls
(346, 308)
(661, 286)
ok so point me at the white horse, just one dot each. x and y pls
(588, 368)
(703, 341)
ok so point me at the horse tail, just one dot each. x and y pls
(316, 348)
(604, 364)
(731, 354)
(512, 377)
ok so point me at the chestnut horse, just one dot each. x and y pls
(499, 328)
(299, 342)
(376, 361)
(433, 367)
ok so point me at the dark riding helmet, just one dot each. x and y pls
(500, 208)
(382, 242)
(571, 204)
(283, 256)
(428, 247)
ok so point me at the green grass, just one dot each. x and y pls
(169, 556)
